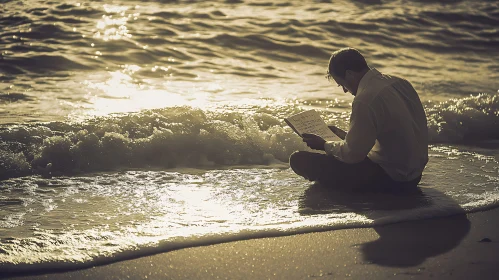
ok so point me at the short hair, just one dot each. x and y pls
(345, 59)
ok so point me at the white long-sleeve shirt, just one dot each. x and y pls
(388, 125)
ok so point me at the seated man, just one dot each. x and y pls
(386, 146)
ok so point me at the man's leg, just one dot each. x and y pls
(363, 176)
(307, 164)
(327, 170)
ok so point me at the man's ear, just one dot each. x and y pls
(348, 75)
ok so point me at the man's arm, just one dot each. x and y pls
(338, 131)
(360, 138)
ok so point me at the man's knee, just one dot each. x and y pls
(296, 156)
(295, 159)
(299, 161)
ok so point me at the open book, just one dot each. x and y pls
(311, 122)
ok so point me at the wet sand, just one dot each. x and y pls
(457, 247)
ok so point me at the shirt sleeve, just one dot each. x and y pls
(360, 138)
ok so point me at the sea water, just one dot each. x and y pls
(132, 127)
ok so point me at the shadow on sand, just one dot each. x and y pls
(408, 234)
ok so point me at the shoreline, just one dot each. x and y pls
(455, 247)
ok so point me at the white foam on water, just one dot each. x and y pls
(73, 222)
(226, 135)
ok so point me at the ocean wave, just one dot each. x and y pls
(265, 45)
(464, 17)
(43, 62)
(437, 30)
(169, 137)
(51, 38)
(185, 136)
(14, 97)
(14, 20)
(459, 120)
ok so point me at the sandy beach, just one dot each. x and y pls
(457, 247)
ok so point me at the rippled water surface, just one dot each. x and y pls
(97, 57)
(132, 127)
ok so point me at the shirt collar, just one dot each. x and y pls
(365, 80)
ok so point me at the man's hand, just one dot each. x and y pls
(313, 141)
(338, 131)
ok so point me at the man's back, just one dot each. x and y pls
(401, 148)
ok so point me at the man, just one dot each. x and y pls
(386, 146)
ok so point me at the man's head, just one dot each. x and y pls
(347, 67)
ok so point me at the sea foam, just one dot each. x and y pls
(191, 137)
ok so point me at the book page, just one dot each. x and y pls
(311, 122)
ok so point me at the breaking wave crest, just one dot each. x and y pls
(191, 137)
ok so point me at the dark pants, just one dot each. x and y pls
(363, 176)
